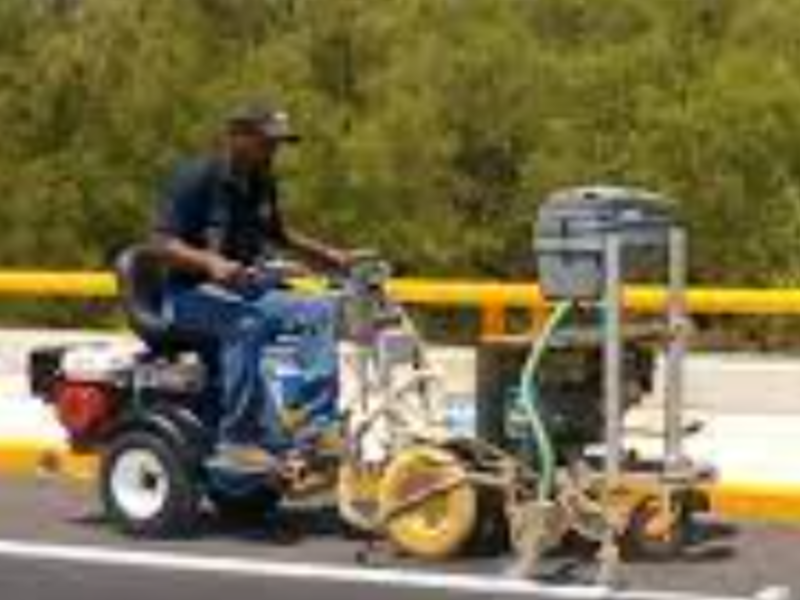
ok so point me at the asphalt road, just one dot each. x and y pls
(54, 545)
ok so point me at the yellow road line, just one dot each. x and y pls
(33, 457)
(769, 502)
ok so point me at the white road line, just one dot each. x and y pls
(168, 561)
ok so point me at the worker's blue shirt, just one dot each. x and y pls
(208, 205)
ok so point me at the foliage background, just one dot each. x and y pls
(433, 128)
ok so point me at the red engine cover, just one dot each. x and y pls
(83, 408)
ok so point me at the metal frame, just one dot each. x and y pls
(674, 471)
(612, 304)
(611, 509)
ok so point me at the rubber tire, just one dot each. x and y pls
(491, 536)
(638, 545)
(180, 511)
(412, 532)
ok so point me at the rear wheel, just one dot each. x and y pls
(654, 532)
(147, 487)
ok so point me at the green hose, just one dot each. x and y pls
(530, 401)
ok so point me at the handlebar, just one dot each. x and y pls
(360, 286)
(365, 275)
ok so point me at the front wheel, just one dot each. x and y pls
(430, 505)
(147, 487)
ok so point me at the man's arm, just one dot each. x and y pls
(316, 250)
(186, 258)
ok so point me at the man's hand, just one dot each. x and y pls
(227, 272)
(337, 259)
(200, 261)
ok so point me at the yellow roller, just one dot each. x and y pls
(441, 523)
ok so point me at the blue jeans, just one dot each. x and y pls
(245, 324)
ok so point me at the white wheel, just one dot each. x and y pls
(139, 483)
(147, 487)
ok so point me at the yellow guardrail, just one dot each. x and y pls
(492, 298)
(71, 284)
(735, 301)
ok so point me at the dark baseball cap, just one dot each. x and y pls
(272, 123)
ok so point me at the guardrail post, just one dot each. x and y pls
(493, 320)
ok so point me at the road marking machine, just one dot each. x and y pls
(547, 465)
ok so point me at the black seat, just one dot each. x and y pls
(141, 277)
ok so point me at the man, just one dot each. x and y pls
(220, 218)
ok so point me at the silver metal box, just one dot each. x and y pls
(572, 233)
